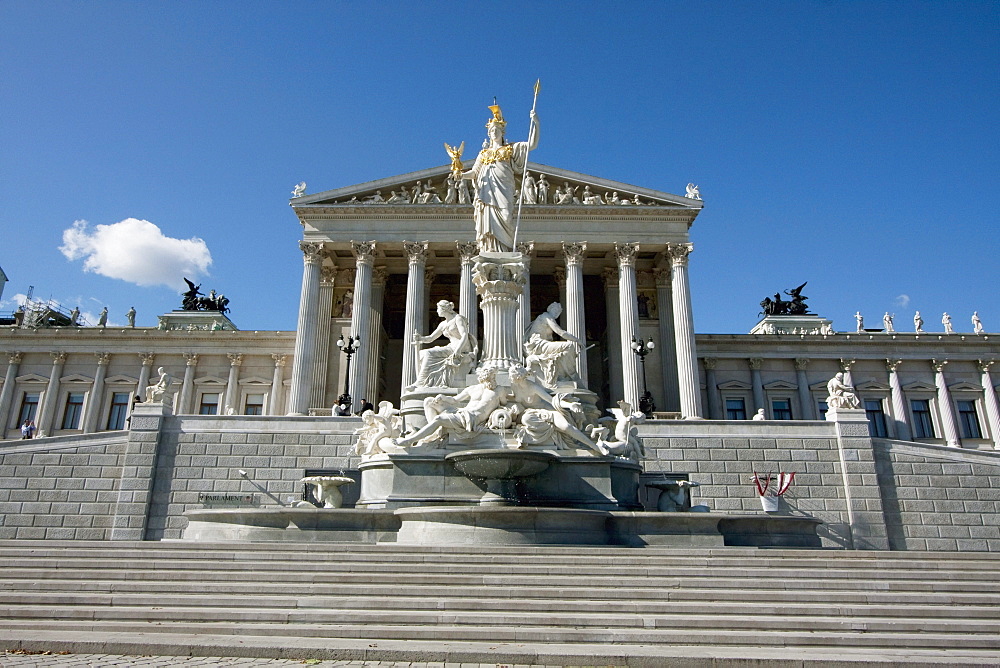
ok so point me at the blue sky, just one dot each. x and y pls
(853, 145)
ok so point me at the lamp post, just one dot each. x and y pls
(642, 348)
(348, 347)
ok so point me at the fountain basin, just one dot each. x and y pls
(327, 489)
(500, 467)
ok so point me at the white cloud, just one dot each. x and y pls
(902, 301)
(136, 251)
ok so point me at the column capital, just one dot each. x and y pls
(147, 358)
(235, 359)
(559, 273)
(801, 363)
(191, 359)
(103, 358)
(892, 365)
(58, 357)
(678, 254)
(610, 277)
(626, 253)
(755, 363)
(662, 277)
(328, 276)
(312, 252)
(984, 365)
(364, 251)
(574, 252)
(280, 359)
(938, 365)
(416, 251)
(845, 365)
(709, 363)
(467, 250)
(380, 275)
(14, 357)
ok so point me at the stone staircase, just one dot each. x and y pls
(553, 605)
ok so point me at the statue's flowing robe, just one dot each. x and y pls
(494, 203)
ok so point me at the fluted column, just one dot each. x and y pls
(687, 355)
(559, 275)
(374, 337)
(361, 317)
(233, 386)
(277, 384)
(416, 307)
(576, 319)
(613, 334)
(526, 249)
(990, 402)
(187, 385)
(845, 366)
(322, 341)
(900, 415)
(467, 306)
(94, 401)
(498, 282)
(805, 397)
(7, 393)
(147, 366)
(47, 412)
(944, 405)
(757, 384)
(712, 389)
(667, 342)
(305, 335)
(628, 314)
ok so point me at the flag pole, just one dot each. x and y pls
(524, 176)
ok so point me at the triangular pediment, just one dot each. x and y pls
(120, 378)
(389, 191)
(734, 385)
(965, 386)
(873, 386)
(920, 386)
(780, 385)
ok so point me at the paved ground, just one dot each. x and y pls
(23, 659)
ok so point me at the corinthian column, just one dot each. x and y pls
(628, 313)
(51, 395)
(7, 394)
(990, 402)
(576, 319)
(362, 315)
(687, 356)
(374, 336)
(416, 307)
(233, 387)
(944, 405)
(187, 385)
(147, 365)
(526, 249)
(466, 290)
(902, 424)
(805, 398)
(321, 343)
(277, 384)
(93, 409)
(667, 342)
(305, 335)
(613, 334)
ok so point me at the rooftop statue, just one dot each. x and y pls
(693, 192)
(194, 302)
(299, 190)
(778, 306)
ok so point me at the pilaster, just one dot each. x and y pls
(900, 417)
(92, 411)
(187, 385)
(232, 386)
(277, 384)
(147, 360)
(948, 422)
(47, 412)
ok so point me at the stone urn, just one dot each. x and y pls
(326, 489)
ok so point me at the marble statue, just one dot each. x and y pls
(918, 323)
(462, 416)
(396, 198)
(542, 190)
(493, 174)
(887, 322)
(946, 321)
(451, 195)
(158, 392)
(693, 192)
(299, 190)
(74, 315)
(545, 418)
(591, 198)
(429, 195)
(861, 321)
(759, 415)
(102, 318)
(977, 324)
(347, 304)
(418, 191)
(463, 191)
(565, 195)
(625, 441)
(529, 192)
(377, 431)
(436, 367)
(551, 360)
(826, 329)
(841, 394)
(376, 198)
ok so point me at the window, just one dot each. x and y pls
(254, 405)
(781, 409)
(876, 418)
(736, 409)
(923, 427)
(119, 410)
(74, 408)
(209, 404)
(822, 408)
(29, 407)
(969, 419)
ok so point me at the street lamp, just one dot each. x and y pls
(348, 347)
(642, 348)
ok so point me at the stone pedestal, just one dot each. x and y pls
(195, 321)
(499, 279)
(793, 324)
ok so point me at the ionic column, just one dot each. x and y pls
(233, 387)
(712, 389)
(526, 249)
(899, 413)
(7, 393)
(944, 404)
(845, 366)
(361, 317)
(277, 384)
(805, 398)
(757, 384)
(305, 335)
(687, 356)
(466, 290)
(613, 334)
(321, 352)
(187, 385)
(667, 342)
(374, 336)
(144, 370)
(990, 402)
(48, 410)
(576, 319)
(93, 409)
(416, 307)
(628, 313)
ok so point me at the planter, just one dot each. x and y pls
(770, 503)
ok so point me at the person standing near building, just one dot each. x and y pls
(27, 429)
